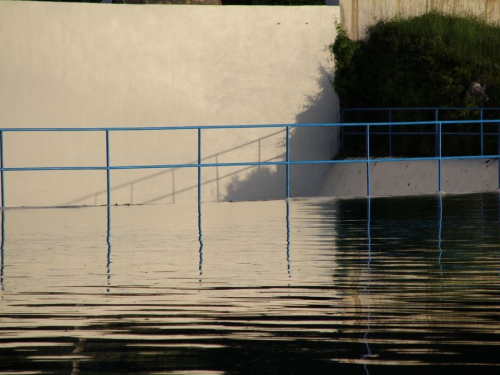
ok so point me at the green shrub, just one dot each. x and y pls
(426, 61)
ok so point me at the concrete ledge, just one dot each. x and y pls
(410, 178)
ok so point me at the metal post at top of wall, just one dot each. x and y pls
(342, 130)
(482, 138)
(390, 133)
(436, 118)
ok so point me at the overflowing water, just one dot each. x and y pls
(358, 286)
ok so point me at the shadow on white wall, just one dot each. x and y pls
(249, 182)
(306, 143)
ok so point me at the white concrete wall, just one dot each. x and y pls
(357, 15)
(97, 65)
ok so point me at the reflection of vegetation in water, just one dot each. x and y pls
(422, 238)
(412, 223)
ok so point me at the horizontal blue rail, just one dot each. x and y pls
(243, 164)
(207, 127)
(440, 109)
(287, 162)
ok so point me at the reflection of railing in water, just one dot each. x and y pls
(288, 242)
(369, 327)
(200, 241)
(108, 241)
(440, 231)
(366, 288)
(288, 265)
(109, 245)
(2, 253)
(287, 163)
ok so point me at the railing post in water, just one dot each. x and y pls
(1, 166)
(368, 189)
(287, 162)
(440, 156)
(482, 137)
(288, 266)
(199, 165)
(108, 241)
(108, 187)
(108, 198)
(390, 133)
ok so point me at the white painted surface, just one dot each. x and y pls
(97, 65)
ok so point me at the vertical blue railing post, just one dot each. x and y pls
(199, 165)
(200, 235)
(436, 118)
(440, 157)
(1, 171)
(390, 133)
(368, 188)
(482, 137)
(108, 187)
(342, 130)
(287, 162)
(498, 159)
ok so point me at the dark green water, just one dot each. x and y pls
(354, 286)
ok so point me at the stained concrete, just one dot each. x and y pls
(410, 178)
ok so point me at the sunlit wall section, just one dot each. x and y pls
(102, 65)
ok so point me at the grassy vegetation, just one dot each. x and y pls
(469, 36)
(433, 60)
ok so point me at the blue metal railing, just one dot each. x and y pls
(287, 162)
(436, 114)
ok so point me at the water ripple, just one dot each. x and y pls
(387, 285)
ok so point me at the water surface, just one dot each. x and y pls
(358, 286)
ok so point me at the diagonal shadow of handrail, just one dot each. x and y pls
(172, 170)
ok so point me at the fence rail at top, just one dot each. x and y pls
(287, 162)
